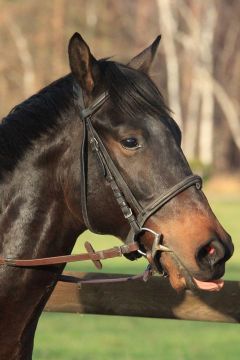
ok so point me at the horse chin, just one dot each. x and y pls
(179, 276)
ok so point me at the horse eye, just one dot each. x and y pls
(130, 143)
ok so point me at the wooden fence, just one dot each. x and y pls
(154, 299)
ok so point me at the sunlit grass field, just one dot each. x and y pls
(90, 337)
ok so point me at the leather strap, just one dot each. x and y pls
(89, 255)
(76, 280)
(168, 195)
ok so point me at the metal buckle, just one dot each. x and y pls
(198, 185)
(127, 216)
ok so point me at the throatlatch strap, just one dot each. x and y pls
(108, 167)
(84, 162)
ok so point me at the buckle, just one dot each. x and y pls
(198, 185)
(127, 216)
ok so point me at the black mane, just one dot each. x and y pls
(33, 117)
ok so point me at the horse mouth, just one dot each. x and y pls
(181, 278)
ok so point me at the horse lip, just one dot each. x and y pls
(189, 279)
(217, 274)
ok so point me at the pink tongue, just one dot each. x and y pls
(215, 285)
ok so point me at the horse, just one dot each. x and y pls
(92, 151)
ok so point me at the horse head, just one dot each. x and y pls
(144, 143)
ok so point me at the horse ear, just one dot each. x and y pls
(82, 62)
(143, 61)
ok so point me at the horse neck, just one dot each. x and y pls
(35, 221)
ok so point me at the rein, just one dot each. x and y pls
(132, 210)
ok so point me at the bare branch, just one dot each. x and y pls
(226, 105)
(166, 20)
(207, 108)
(24, 55)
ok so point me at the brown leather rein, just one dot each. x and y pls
(91, 254)
(125, 199)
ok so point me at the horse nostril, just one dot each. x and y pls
(210, 250)
(210, 254)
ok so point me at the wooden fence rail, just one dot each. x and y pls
(154, 299)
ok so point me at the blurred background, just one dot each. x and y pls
(197, 67)
(198, 71)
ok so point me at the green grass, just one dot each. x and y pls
(72, 336)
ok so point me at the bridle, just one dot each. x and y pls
(132, 210)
